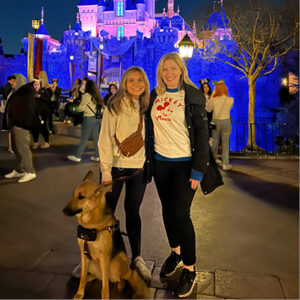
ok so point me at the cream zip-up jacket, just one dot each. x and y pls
(124, 124)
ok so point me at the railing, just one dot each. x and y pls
(273, 138)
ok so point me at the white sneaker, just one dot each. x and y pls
(73, 158)
(35, 146)
(45, 145)
(93, 158)
(140, 266)
(76, 271)
(13, 174)
(27, 177)
(226, 167)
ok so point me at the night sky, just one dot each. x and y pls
(16, 16)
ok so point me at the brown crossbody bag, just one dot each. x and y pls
(132, 144)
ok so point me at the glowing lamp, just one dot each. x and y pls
(101, 46)
(71, 57)
(284, 81)
(35, 23)
(186, 48)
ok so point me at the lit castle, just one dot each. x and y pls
(111, 36)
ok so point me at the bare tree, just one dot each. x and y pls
(261, 35)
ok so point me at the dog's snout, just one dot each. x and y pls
(68, 211)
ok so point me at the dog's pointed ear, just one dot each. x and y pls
(89, 176)
(103, 188)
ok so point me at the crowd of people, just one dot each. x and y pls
(137, 136)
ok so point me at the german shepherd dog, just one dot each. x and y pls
(102, 249)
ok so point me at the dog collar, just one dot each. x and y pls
(86, 233)
(90, 235)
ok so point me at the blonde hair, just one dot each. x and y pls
(184, 78)
(220, 90)
(114, 104)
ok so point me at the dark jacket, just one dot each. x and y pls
(54, 103)
(196, 121)
(21, 108)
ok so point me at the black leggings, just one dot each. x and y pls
(135, 189)
(176, 195)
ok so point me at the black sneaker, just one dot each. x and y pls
(172, 263)
(185, 284)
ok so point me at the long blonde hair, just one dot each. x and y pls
(160, 85)
(114, 103)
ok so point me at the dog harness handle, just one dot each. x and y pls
(90, 235)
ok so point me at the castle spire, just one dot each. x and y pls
(42, 15)
(77, 18)
(170, 12)
(194, 27)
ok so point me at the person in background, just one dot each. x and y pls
(207, 91)
(112, 89)
(90, 124)
(54, 93)
(123, 116)
(5, 91)
(15, 81)
(220, 105)
(177, 146)
(74, 91)
(42, 114)
(20, 112)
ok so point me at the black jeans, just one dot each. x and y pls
(176, 196)
(135, 189)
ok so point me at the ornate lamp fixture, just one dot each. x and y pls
(186, 48)
(35, 23)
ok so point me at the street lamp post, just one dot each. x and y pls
(72, 69)
(186, 48)
(99, 65)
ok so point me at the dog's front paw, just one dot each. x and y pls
(78, 296)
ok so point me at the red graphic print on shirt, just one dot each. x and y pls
(164, 108)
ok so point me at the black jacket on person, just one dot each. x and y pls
(21, 109)
(54, 103)
(196, 121)
(5, 90)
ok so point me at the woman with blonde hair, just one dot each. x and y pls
(123, 120)
(178, 148)
(221, 104)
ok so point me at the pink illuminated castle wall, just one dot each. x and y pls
(124, 17)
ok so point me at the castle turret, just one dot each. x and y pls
(101, 7)
(140, 10)
(170, 11)
(88, 10)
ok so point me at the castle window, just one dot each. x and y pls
(120, 9)
(120, 31)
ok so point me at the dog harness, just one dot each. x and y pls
(90, 235)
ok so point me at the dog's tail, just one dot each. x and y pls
(141, 291)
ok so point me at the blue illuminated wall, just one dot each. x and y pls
(146, 53)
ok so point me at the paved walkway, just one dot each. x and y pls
(247, 230)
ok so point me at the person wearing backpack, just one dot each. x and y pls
(90, 104)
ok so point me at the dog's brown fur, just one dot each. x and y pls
(89, 206)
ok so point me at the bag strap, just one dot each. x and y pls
(140, 127)
(91, 109)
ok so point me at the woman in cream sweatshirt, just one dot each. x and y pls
(121, 118)
(220, 104)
